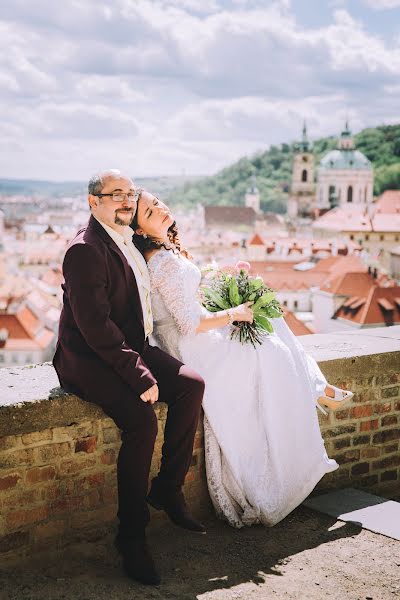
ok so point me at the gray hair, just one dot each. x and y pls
(97, 181)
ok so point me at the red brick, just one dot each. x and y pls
(108, 457)
(368, 481)
(110, 434)
(348, 456)
(370, 452)
(389, 476)
(93, 480)
(14, 540)
(17, 458)
(9, 481)
(52, 451)
(69, 467)
(40, 474)
(342, 414)
(52, 529)
(390, 392)
(369, 425)
(382, 408)
(387, 379)
(342, 443)
(391, 448)
(359, 440)
(388, 461)
(361, 411)
(397, 406)
(386, 435)
(191, 476)
(19, 518)
(389, 420)
(360, 468)
(87, 445)
(22, 498)
(36, 436)
(340, 430)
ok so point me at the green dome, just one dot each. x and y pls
(345, 159)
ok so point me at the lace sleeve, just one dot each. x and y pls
(174, 280)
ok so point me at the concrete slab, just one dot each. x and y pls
(355, 506)
(348, 344)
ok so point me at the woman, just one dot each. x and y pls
(263, 447)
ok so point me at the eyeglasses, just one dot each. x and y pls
(120, 196)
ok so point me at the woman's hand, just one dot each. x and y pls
(242, 312)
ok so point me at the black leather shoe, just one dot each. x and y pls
(175, 506)
(137, 560)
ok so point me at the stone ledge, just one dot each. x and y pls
(31, 399)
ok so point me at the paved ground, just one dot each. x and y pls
(309, 556)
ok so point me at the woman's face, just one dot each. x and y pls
(153, 216)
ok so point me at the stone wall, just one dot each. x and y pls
(58, 453)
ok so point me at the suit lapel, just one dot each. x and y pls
(95, 227)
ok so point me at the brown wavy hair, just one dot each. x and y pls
(148, 243)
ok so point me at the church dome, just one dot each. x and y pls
(346, 159)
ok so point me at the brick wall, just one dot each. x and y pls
(58, 454)
(59, 482)
(364, 436)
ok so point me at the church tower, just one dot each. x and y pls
(302, 192)
(252, 197)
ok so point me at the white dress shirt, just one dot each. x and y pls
(139, 268)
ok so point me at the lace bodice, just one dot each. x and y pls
(174, 286)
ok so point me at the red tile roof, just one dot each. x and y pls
(25, 331)
(282, 275)
(389, 202)
(256, 240)
(297, 326)
(380, 307)
(349, 284)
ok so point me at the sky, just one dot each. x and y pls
(160, 87)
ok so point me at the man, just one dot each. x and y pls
(104, 356)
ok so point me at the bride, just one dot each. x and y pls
(263, 448)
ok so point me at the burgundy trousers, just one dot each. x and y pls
(182, 390)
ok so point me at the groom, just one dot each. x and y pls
(104, 356)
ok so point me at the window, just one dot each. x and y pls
(352, 237)
(381, 238)
(295, 304)
(350, 193)
(366, 237)
(304, 175)
(2, 358)
(285, 303)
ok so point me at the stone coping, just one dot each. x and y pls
(25, 391)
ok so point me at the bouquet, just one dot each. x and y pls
(230, 287)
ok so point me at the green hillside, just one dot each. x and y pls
(274, 166)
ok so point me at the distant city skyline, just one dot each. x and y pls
(167, 87)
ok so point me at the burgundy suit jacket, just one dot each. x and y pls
(101, 323)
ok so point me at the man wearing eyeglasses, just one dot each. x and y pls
(103, 355)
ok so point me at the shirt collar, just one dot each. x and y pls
(126, 235)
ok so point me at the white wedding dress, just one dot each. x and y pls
(263, 447)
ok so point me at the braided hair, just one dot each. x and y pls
(148, 243)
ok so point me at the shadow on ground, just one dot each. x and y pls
(224, 563)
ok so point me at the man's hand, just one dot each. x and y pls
(150, 395)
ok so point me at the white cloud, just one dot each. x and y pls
(382, 4)
(180, 84)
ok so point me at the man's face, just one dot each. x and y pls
(110, 212)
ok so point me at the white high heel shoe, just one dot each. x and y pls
(336, 401)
